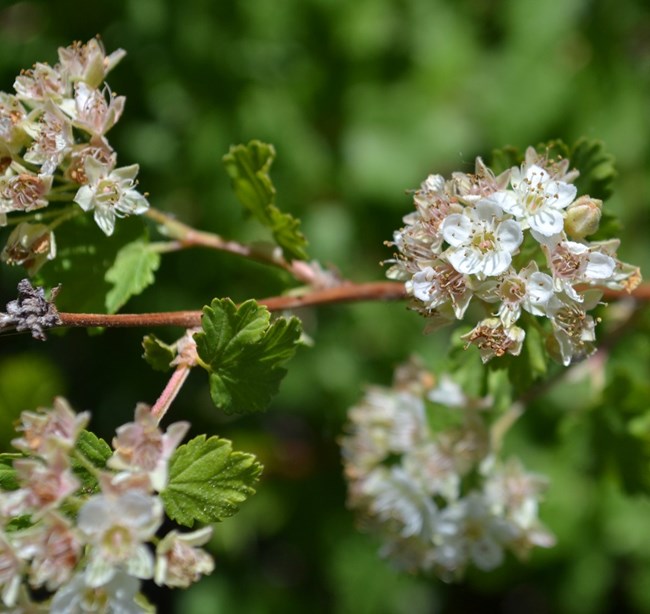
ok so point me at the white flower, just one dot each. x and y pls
(117, 596)
(536, 199)
(493, 338)
(53, 139)
(481, 240)
(117, 526)
(179, 561)
(439, 285)
(10, 571)
(93, 110)
(110, 194)
(573, 329)
(468, 531)
(88, 63)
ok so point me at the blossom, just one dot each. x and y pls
(30, 245)
(116, 595)
(117, 527)
(493, 338)
(10, 571)
(24, 192)
(142, 446)
(88, 62)
(536, 199)
(48, 429)
(52, 140)
(93, 110)
(179, 561)
(481, 240)
(110, 194)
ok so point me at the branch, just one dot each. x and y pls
(186, 237)
(345, 293)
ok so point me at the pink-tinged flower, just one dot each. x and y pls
(24, 192)
(52, 140)
(573, 329)
(492, 339)
(574, 263)
(117, 596)
(93, 110)
(29, 245)
(97, 148)
(48, 429)
(440, 284)
(110, 194)
(11, 568)
(12, 116)
(54, 548)
(142, 446)
(88, 63)
(529, 289)
(40, 84)
(46, 484)
(536, 199)
(179, 560)
(117, 527)
(481, 241)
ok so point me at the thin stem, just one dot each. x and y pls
(172, 389)
(187, 236)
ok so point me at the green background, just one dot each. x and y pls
(362, 100)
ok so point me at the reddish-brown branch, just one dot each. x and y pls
(345, 293)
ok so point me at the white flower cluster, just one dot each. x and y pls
(91, 551)
(53, 148)
(423, 477)
(516, 241)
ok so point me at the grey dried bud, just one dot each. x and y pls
(31, 311)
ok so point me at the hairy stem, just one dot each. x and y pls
(186, 237)
(172, 388)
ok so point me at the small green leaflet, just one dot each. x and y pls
(132, 271)
(208, 481)
(248, 167)
(157, 353)
(596, 166)
(243, 351)
(7, 472)
(97, 452)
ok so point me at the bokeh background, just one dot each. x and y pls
(362, 100)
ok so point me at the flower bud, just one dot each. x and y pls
(29, 245)
(583, 217)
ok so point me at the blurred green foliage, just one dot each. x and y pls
(361, 100)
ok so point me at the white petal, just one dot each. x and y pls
(487, 209)
(495, 263)
(564, 195)
(504, 200)
(464, 261)
(105, 218)
(510, 235)
(456, 229)
(547, 222)
(84, 197)
(599, 266)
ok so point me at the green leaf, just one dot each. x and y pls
(157, 353)
(8, 479)
(243, 351)
(96, 452)
(248, 167)
(132, 271)
(84, 255)
(596, 166)
(208, 481)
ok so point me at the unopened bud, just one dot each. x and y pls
(583, 217)
(29, 245)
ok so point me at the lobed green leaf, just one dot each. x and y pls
(248, 167)
(157, 353)
(243, 352)
(208, 481)
(132, 271)
(96, 452)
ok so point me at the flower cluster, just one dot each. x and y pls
(423, 475)
(515, 241)
(53, 149)
(81, 532)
